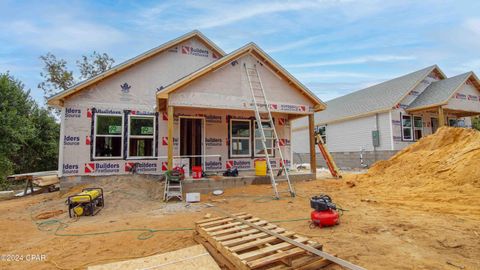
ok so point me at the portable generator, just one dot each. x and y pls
(325, 212)
(86, 203)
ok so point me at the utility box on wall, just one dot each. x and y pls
(375, 138)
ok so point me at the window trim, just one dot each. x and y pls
(232, 155)
(255, 155)
(141, 137)
(411, 128)
(122, 136)
(417, 128)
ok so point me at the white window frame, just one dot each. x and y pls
(241, 138)
(255, 141)
(95, 135)
(140, 136)
(417, 128)
(411, 128)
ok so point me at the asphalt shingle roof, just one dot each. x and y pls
(378, 97)
(439, 92)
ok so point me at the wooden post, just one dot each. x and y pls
(170, 138)
(441, 117)
(311, 134)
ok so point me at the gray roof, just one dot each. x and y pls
(439, 92)
(378, 97)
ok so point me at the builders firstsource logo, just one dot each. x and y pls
(71, 140)
(70, 168)
(284, 142)
(194, 51)
(213, 141)
(240, 164)
(73, 113)
(213, 165)
(102, 167)
(141, 167)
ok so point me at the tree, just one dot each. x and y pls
(55, 74)
(58, 77)
(476, 122)
(94, 65)
(28, 133)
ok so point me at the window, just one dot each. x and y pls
(108, 136)
(141, 136)
(418, 127)
(407, 128)
(240, 138)
(269, 136)
(452, 122)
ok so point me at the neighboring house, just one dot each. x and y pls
(382, 119)
(183, 102)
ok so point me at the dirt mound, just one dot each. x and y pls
(450, 157)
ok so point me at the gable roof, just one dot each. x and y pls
(257, 52)
(57, 99)
(377, 98)
(439, 92)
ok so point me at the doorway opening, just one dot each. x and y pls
(191, 140)
(434, 124)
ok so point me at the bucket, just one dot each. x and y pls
(197, 172)
(260, 167)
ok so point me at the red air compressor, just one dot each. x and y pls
(325, 213)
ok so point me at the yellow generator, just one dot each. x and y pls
(86, 203)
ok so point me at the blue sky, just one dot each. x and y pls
(334, 47)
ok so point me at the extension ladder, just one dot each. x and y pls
(264, 115)
(332, 166)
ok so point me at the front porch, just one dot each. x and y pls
(427, 121)
(219, 139)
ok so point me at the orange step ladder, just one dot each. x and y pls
(332, 167)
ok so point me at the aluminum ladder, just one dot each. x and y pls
(262, 112)
(173, 189)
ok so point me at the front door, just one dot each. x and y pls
(191, 140)
(434, 124)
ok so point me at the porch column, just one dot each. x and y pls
(311, 134)
(170, 138)
(441, 117)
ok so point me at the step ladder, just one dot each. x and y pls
(173, 188)
(332, 166)
(264, 115)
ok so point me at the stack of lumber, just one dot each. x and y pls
(242, 241)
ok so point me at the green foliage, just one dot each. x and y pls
(57, 76)
(476, 122)
(28, 133)
(95, 64)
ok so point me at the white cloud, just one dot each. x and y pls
(64, 33)
(212, 14)
(357, 60)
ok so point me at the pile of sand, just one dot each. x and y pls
(446, 160)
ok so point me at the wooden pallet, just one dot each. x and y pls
(241, 241)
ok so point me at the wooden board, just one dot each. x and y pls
(191, 258)
(237, 245)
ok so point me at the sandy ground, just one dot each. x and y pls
(379, 231)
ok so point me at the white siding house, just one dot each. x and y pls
(401, 110)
